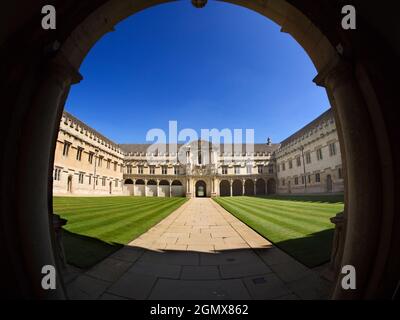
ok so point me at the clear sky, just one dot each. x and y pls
(222, 66)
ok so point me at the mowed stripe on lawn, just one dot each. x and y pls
(303, 229)
(114, 219)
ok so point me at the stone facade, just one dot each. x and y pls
(310, 160)
(87, 163)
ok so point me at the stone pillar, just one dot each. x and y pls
(231, 187)
(134, 185)
(145, 187)
(170, 188)
(255, 187)
(337, 248)
(243, 187)
(157, 187)
(40, 137)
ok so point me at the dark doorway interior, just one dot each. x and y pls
(201, 189)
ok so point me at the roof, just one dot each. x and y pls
(258, 147)
(327, 115)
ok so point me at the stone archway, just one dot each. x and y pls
(128, 181)
(224, 188)
(356, 88)
(271, 186)
(249, 187)
(237, 188)
(201, 189)
(260, 187)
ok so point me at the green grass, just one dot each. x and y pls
(299, 225)
(98, 226)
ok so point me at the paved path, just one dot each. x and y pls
(200, 251)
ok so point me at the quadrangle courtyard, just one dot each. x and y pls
(173, 248)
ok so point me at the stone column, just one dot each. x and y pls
(255, 186)
(243, 187)
(333, 269)
(157, 187)
(40, 137)
(363, 183)
(134, 185)
(145, 187)
(170, 188)
(231, 187)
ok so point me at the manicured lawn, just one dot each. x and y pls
(298, 225)
(98, 226)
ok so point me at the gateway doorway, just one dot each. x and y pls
(201, 189)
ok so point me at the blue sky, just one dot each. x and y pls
(222, 66)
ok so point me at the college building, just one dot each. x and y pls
(88, 163)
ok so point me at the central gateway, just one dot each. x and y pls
(201, 189)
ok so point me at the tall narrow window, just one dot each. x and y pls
(67, 145)
(283, 166)
(332, 149)
(140, 169)
(103, 181)
(249, 169)
(340, 174)
(100, 161)
(115, 165)
(317, 177)
(319, 154)
(164, 170)
(271, 169)
(89, 179)
(79, 153)
(237, 169)
(308, 157)
(176, 170)
(90, 158)
(290, 164)
(81, 175)
(108, 163)
(260, 169)
(57, 174)
(224, 170)
(152, 170)
(296, 180)
(298, 161)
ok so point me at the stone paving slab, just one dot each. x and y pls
(166, 289)
(200, 251)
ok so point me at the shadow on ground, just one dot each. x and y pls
(312, 250)
(84, 252)
(245, 274)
